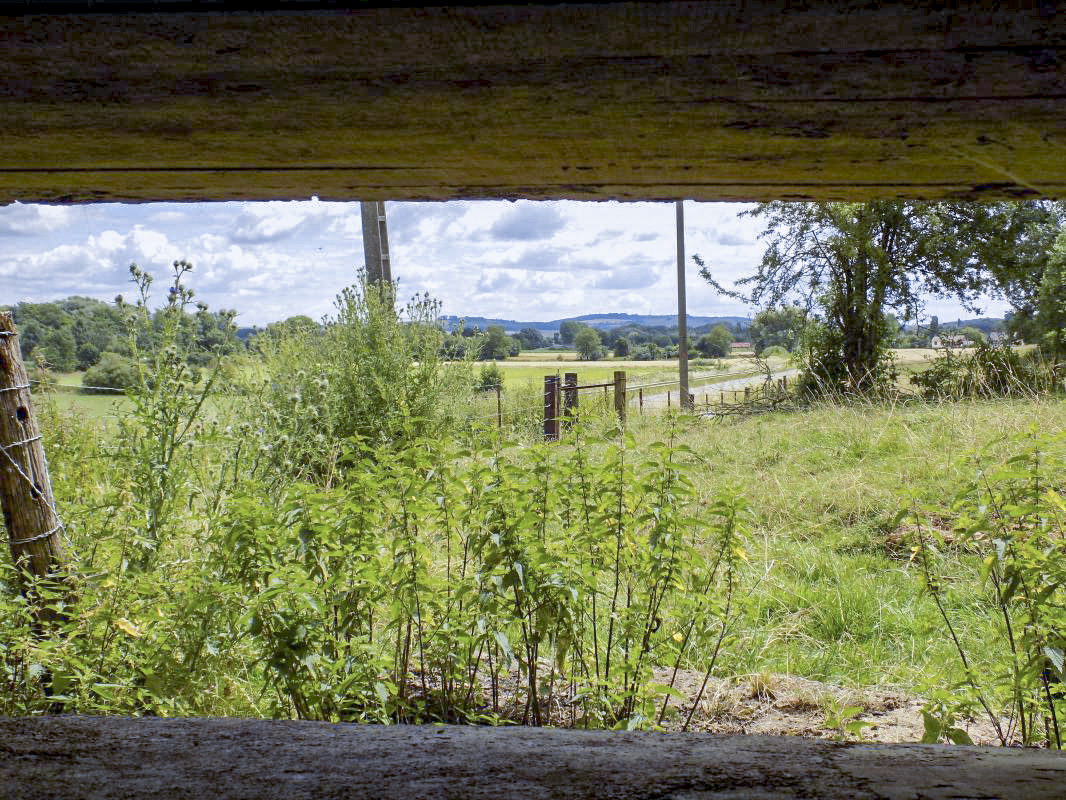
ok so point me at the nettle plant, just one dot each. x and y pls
(485, 582)
(1014, 517)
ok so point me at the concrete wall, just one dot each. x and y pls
(710, 100)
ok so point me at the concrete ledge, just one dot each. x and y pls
(95, 757)
(730, 100)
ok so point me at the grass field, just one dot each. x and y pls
(833, 592)
(839, 599)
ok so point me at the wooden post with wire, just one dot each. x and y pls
(551, 407)
(570, 401)
(620, 395)
(25, 488)
(499, 407)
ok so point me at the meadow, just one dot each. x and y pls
(338, 532)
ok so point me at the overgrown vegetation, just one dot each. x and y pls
(1013, 517)
(323, 537)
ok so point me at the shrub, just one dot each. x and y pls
(775, 351)
(112, 371)
(989, 371)
(369, 373)
(489, 379)
(1014, 516)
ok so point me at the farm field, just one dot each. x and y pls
(833, 594)
(237, 557)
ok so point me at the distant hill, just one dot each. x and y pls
(985, 324)
(601, 321)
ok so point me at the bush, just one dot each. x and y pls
(775, 351)
(1013, 515)
(111, 372)
(990, 371)
(489, 379)
(369, 373)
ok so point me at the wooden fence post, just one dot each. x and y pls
(551, 407)
(640, 398)
(25, 488)
(620, 395)
(499, 407)
(569, 397)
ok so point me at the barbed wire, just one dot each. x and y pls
(34, 492)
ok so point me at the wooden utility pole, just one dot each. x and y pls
(25, 488)
(682, 311)
(375, 242)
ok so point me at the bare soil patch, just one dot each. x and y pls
(771, 704)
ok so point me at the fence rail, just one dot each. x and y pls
(560, 401)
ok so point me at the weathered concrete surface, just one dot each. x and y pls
(79, 757)
(737, 99)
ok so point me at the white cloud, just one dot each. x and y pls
(526, 260)
(528, 221)
(19, 219)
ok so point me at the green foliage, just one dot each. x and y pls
(1014, 516)
(369, 372)
(1049, 324)
(987, 371)
(778, 327)
(449, 580)
(531, 339)
(167, 402)
(112, 371)
(588, 344)
(489, 378)
(497, 345)
(774, 352)
(855, 261)
(715, 344)
(568, 330)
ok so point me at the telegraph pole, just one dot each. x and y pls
(682, 311)
(375, 243)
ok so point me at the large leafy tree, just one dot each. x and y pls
(587, 343)
(851, 262)
(778, 327)
(1049, 320)
(715, 343)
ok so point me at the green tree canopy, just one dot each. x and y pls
(587, 344)
(778, 327)
(715, 343)
(568, 330)
(497, 344)
(1050, 317)
(851, 262)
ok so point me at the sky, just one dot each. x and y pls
(523, 260)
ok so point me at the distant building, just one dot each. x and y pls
(740, 345)
(946, 340)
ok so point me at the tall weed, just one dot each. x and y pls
(1013, 516)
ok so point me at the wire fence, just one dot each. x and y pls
(528, 411)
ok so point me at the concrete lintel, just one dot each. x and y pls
(727, 100)
(87, 757)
